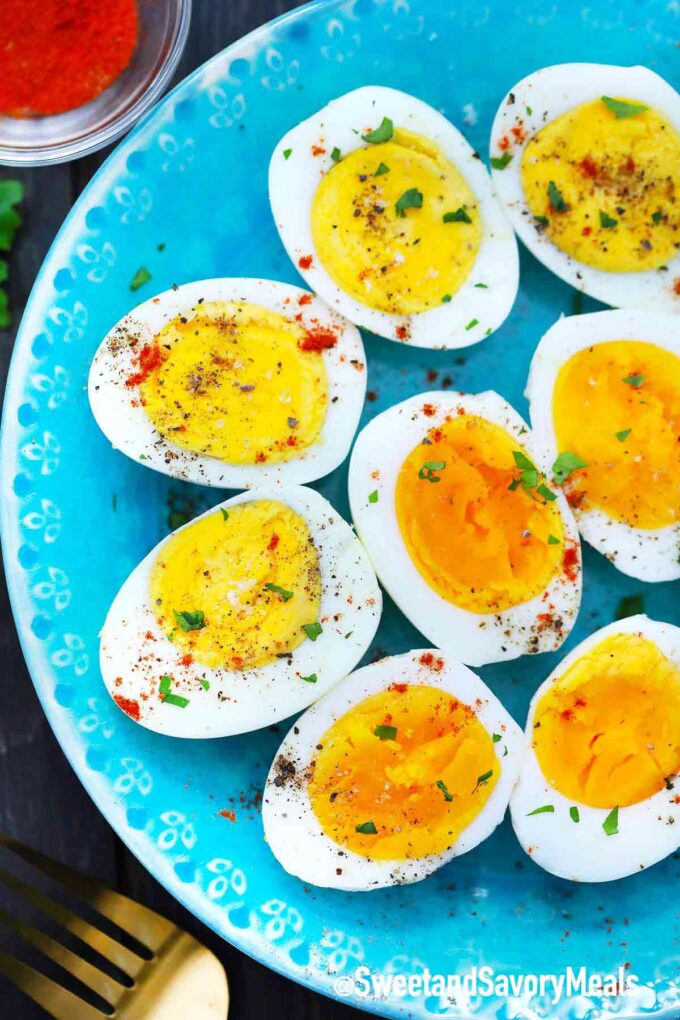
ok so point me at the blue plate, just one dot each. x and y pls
(77, 517)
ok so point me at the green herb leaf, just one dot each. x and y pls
(496, 737)
(482, 286)
(367, 829)
(611, 822)
(623, 435)
(620, 108)
(175, 699)
(446, 299)
(541, 221)
(205, 684)
(287, 153)
(459, 216)
(441, 785)
(629, 605)
(667, 781)
(483, 780)
(312, 630)
(634, 380)
(311, 679)
(427, 471)
(373, 496)
(471, 324)
(383, 133)
(574, 814)
(411, 199)
(565, 465)
(657, 216)
(286, 595)
(555, 198)
(500, 162)
(190, 621)
(335, 154)
(382, 169)
(165, 684)
(522, 461)
(386, 732)
(141, 277)
(553, 541)
(225, 514)
(607, 221)
(547, 809)
(546, 493)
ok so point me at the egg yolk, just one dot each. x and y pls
(403, 773)
(396, 225)
(234, 381)
(617, 405)
(605, 187)
(236, 588)
(607, 733)
(475, 524)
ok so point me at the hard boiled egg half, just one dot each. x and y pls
(408, 763)
(231, 382)
(467, 536)
(604, 391)
(241, 617)
(390, 216)
(586, 159)
(598, 796)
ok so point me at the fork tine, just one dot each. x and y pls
(107, 987)
(57, 1001)
(127, 961)
(145, 925)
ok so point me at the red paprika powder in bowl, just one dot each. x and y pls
(76, 74)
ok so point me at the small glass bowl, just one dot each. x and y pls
(36, 141)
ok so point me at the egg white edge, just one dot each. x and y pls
(582, 852)
(291, 827)
(293, 183)
(656, 552)
(260, 700)
(131, 431)
(550, 92)
(477, 639)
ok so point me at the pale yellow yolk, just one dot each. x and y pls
(231, 380)
(396, 263)
(479, 537)
(236, 588)
(619, 183)
(607, 733)
(411, 762)
(617, 405)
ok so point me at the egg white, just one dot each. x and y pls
(293, 183)
(239, 701)
(475, 638)
(130, 430)
(549, 93)
(292, 829)
(581, 851)
(644, 553)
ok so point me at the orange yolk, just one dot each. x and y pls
(412, 763)
(481, 539)
(617, 405)
(607, 732)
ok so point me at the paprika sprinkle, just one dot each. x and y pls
(59, 54)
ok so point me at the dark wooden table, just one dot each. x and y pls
(41, 800)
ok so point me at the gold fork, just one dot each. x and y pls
(170, 977)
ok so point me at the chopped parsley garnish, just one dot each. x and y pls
(622, 109)
(552, 540)
(545, 492)
(667, 781)
(611, 822)
(385, 732)
(483, 780)
(629, 605)
(574, 814)
(547, 809)
(657, 216)
(623, 435)
(175, 699)
(411, 199)
(383, 133)
(441, 785)
(556, 198)
(528, 478)
(335, 154)
(427, 471)
(565, 465)
(367, 829)
(373, 496)
(471, 324)
(607, 221)
(165, 684)
(205, 684)
(225, 514)
(496, 737)
(191, 621)
(287, 153)
(500, 162)
(286, 595)
(312, 630)
(541, 221)
(459, 216)
(634, 380)
(482, 286)
(311, 679)
(446, 299)
(382, 169)
(141, 277)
